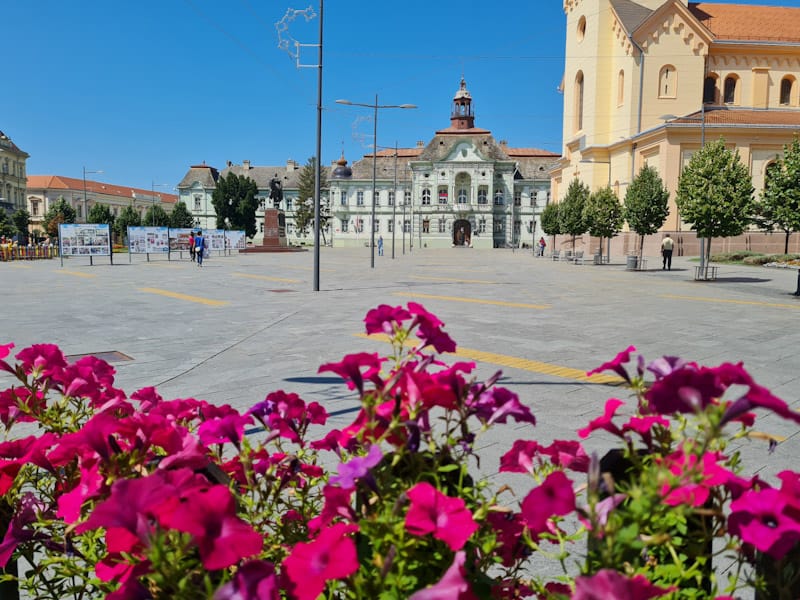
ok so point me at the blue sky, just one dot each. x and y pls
(142, 90)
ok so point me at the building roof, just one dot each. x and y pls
(739, 22)
(58, 182)
(289, 174)
(7, 144)
(789, 119)
(630, 14)
(203, 174)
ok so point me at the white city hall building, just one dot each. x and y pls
(462, 189)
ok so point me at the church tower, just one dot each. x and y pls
(462, 115)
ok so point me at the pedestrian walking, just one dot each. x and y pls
(380, 245)
(199, 247)
(191, 246)
(667, 244)
(542, 246)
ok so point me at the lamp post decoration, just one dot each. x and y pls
(375, 107)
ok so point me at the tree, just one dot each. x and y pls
(715, 194)
(551, 224)
(646, 204)
(60, 212)
(129, 217)
(234, 201)
(603, 215)
(6, 225)
(100, 213)
(180, 217)
(304, 213)
(780, 202)
(155, 216)
(22, 220)
(570, 212)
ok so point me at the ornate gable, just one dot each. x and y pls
(673, 18)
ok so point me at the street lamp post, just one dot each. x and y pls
(85, 205)
(375, 108)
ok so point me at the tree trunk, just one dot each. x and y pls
(573, 245)
(707, 252)
(786, 243)
(641, 246)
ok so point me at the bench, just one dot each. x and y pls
(567, 256)
(578, 257)
(556, 254)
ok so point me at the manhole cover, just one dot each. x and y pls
(110, 357)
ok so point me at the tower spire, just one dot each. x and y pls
(462, 115)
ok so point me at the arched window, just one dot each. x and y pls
(426, 196)
(729, 94)
(580, 33)
(620, 87)
(667, 82)
(579, 101)
(710, 90)
(787, 83)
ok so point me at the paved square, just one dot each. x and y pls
(248, 324)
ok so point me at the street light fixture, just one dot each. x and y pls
(85, 205)
(375, 108)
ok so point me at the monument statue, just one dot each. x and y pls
(276, 191)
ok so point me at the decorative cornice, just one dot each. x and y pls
(622, 36)
(679, 26)
(570, 5)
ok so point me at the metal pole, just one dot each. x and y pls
(394, 203)
(374, 177)
(404, 222)
(318, 170)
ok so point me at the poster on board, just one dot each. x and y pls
(148, 240)
(179, 238)
(84, 239)
(236, 240)
(215, 238)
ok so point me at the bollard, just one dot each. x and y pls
(797, 291)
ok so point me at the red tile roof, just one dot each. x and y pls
(749, 22)
(58, 182)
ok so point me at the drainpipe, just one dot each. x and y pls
(641, 83)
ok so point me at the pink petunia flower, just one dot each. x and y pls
(605, 421)
(430, 329)
(767, 519)
(616, 364)
(568, 454)
(686, 390)
(221, 430)
(254, 580)
(520, 458)
(356, 468)
(608, 584)
(385, 318)
(555, 497)
(509, 528)
(431, 511)
(452, 586)
(331, 555)
(355, 368)
(46, 360)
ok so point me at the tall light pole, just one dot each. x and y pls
(153, 187)
(375, 108)
(85, 205)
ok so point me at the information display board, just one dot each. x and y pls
(179, 239)
(148, 240)
(236, 240)
(85, 239)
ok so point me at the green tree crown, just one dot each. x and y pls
(180, 217)
(60, 212)
(234, 199)
(603, 213)
(646, 202)
(780, 202)
(129, 217)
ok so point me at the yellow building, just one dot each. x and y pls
(649, 82)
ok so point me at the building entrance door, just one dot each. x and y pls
(462, 233)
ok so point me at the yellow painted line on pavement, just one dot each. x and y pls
(515, 362)
(187, 297)
(266, 278)
(451, 279)
(472, 300)
(77, 274)
(725, 301)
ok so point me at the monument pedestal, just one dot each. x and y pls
(274, 229)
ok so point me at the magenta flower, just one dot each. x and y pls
(759, 397)
(616, 364)
(768, 519)
(357, 468)
(452, 586)
(692, 481)
(497, 404)
(687, 390)
(644, 426)
(606, 421)
(46, 359)
(509, 528)
(661, 367)
(19, 530)
(337, 504)
(331, 555)
(220, 430)
(89, 486)
(254, 580)
(16, 453)
(568, 454)
(5, 350)
(209, 514)
(431, 511)
(350, 369)
(520, 458)
(554, 497)
(608, 584)
(385, 318)
(430, 329)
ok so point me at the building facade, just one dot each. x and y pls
(649, 82)
(43, 191)
(12, 175)
(463, 188)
